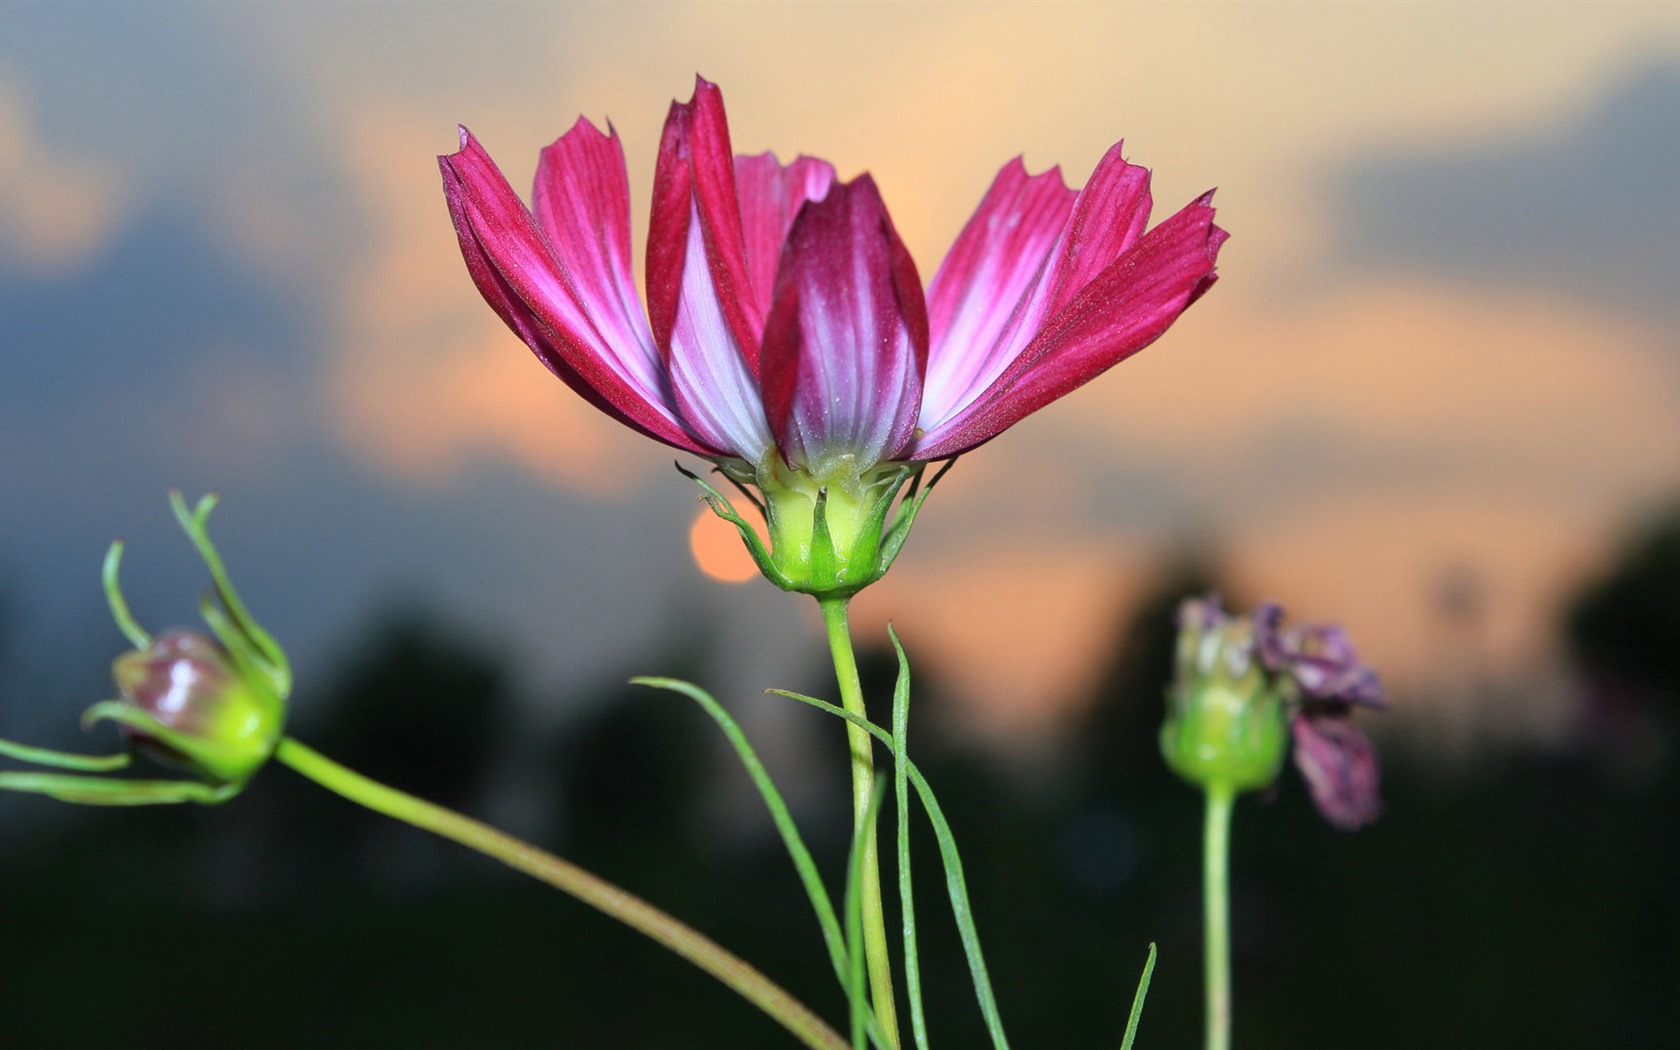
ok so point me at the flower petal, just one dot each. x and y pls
(1110, 215)
(520, 277)
(771, 194)
(1006, 300)
(581, 200)
(1340, 767)
(845, 346)
(717, 393)
(1122, 310)
(706, 320)
(975, 302)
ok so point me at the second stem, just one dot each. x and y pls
(1216, 918)
(863, 789)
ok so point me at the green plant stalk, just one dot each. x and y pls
(1216, 913)
(627, 908)
(863, 788)
(956, 886)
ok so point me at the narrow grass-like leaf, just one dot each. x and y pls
(859, 992)
(955, 884)
(901, 793)
(833, 938)
(1137, 1000)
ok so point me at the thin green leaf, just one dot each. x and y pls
(901, 792)
(1137, 1000)
(859, 991)
(955, 884)
(833, 938)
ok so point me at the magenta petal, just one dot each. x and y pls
(1000, 318)
(1340, 767)
(581, 200)
(522, 280)
(1108, 218)
(705, 318)
(771, 195)
(1124, 309)
(695, 175)
(845, 345)
(976, 302)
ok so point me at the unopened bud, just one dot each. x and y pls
(182, 700)
(1227, 725)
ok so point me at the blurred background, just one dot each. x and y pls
(1434, 397)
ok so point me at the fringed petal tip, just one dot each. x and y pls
(583, 126)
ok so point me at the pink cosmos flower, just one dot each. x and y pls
(785, 319)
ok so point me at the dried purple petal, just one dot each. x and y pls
(1340, 767)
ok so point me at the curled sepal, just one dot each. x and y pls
(100, 791)
(892, 541)
(720, 505)
(111, 791)
(250, 646)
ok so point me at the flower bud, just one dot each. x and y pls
(1227, 724)
(183, 700)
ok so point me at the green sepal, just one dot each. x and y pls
(119, 605)
(893, 540)
(113, 791)
(726, 510)
(238, 631)
(825, 563)
(42, 756)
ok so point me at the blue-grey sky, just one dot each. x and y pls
(1443, 337)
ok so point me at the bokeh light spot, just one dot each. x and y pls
(717, 548)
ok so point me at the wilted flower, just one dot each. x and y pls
(1244, 685)
(787, 336)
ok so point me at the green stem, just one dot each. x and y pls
(863, 788)
(1216, 913)
(562, 875)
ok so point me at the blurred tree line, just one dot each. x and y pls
(1524, 899)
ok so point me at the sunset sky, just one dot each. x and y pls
(1445, 345)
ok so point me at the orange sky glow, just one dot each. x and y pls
(1343, 438)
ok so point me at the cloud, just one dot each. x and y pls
(56, 211)
(1587, 204)
(1348, 456)
(424, 380)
